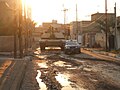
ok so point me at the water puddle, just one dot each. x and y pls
(61, 64)
(64, 80)
(54, 48)
(37, 51)
(41, 56)
(41, 84)
(94, 80)
(43, 65)
(87, 69)
(72, 68)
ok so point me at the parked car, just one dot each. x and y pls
(72, 47)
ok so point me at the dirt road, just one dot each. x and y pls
(54, 70)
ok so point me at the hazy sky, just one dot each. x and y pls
(47, 10)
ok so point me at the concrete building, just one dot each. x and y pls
(54, 24)
(74, 29)
(77, 28)
(96, 35)
(45, 28)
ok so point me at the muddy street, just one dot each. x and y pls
(53, 70)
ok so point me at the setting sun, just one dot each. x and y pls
(47, 10)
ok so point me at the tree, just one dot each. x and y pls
(101, 25)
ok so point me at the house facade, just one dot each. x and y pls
(97, 36)
(77, 28)
(74, 29)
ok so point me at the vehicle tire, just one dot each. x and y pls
(62, 48)
(42, 48)
(65, 52)
(79, 51)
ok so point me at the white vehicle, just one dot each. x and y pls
(72, 47)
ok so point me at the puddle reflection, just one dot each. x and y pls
(61, 64)
(41, 56)
(64, 80)
(87, 69)
(43, 65)
(37, 51)
(41, 84)
(56, 48)
(73, 68)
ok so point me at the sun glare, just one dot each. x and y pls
(47, 10)
(27, 2)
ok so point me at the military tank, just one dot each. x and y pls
(52, 38)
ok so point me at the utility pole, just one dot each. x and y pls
(115, 28)
(26, 30)
(106, 32)
(65, 10)
(15, 30)
(20, 30)
(29, 37)
(76, 24)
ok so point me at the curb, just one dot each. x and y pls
(17, 82)
(12, 80)
(101, 56)
(117, 56)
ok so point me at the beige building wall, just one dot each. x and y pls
(101, 16)
(6, 43)
(99, 36)
(46, 26)
(11, 2)
(6, 14)
(100, 39)
(74, 26)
